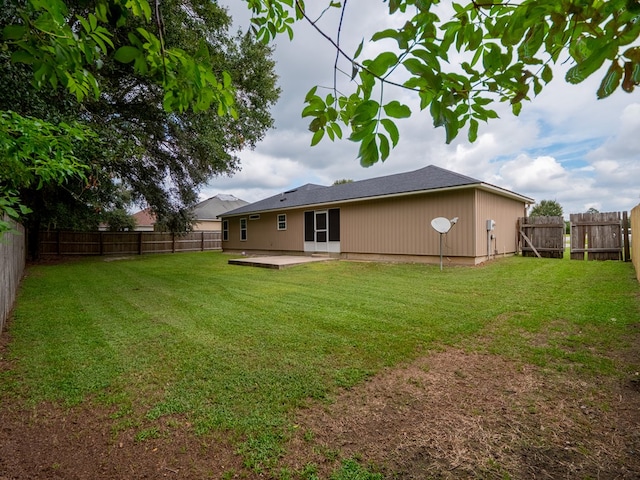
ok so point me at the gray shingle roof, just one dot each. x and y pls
(424, 179)
(210, 208)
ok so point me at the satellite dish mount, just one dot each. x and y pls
(443, 225)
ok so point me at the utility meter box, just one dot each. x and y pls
(491, 225)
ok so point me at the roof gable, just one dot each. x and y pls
(425, 179)
(210, 208)
(144, 218)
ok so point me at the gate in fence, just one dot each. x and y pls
(542, 236)
(600, 236)
(596, 236)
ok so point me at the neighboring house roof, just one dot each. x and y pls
(144, 218)
(210, 208)
(426, 179)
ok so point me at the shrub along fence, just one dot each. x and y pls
(126, 243)
(635, 246)
(12, 262)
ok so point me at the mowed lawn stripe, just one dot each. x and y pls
(240, 348)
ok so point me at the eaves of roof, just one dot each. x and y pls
(429, 179)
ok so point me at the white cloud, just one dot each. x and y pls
(565, 145)
(536, 175)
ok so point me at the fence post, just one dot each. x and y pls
(139, 243)
(625, 233)
(173, 242)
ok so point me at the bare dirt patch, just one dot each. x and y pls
(450, 414)
(454, 414)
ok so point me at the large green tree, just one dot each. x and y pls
(546, 208)
(163, 121)
(510, 50)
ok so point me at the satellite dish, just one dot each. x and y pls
(441, 224)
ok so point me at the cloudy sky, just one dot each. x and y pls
(566, 145)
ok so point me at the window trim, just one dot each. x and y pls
(225, 230)
(243, 230)
(281, 224)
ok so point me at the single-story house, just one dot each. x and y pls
(145, 220)
(206, 212)
(386, 218)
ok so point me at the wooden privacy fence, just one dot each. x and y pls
(126, 243)
(635, 246)
(602, 236)
(12, 263)
(542, 236)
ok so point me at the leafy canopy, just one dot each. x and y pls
(509, 50)
(546, 208)
(160, 100)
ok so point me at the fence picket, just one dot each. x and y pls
(599, 235)
(544, 236)
(126, 243)
(12, 263)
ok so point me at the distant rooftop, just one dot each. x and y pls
(210, 208)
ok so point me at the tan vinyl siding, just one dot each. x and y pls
(263, 234)
(402, 225)
(208, 226)
(395, 228)
(505, 212)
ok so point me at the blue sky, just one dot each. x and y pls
(566, 145)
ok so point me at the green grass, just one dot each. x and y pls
(239, 349)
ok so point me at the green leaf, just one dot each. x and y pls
(584, 69)
(547, 74)
(317, 136)
(473, 130)
(359, 49)
(381, 63)
(395, 109)
(451, 125)
(362, 132)
(21, 56)
(365, 111)
(492, 58)
(127, 54)
(310, 94)
(388, 33)
(336, 129)
(611, 80)
(392, 130)
(368, 152)
(317, 123)
(516, 107)
(384, 147)
(14, 32)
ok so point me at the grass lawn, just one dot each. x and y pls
(240, 350)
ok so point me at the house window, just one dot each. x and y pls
(225, 230)
(282, 221)
(334, 225)
(243, 229)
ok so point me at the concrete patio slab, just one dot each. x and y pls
(277, 262)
